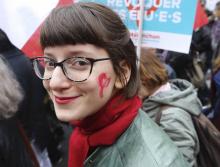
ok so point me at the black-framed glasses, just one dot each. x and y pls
(77, 69)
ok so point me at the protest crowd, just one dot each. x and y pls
(91, 101)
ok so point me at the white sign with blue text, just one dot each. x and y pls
(168, 24)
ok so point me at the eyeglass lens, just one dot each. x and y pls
(76, 69)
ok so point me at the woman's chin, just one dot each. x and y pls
(68, 118)
(63, 117)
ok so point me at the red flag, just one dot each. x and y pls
(201, 18)
(32, 47)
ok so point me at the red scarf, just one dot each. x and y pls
(102, 128)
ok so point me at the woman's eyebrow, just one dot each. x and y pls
(79, 53)
(48, 55)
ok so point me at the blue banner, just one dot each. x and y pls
(163, 20)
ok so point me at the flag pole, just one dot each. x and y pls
(140, 30)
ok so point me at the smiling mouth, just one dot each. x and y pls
(65, 100)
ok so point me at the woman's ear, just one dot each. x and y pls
(122, 82)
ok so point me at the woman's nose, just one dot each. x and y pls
(59, 80)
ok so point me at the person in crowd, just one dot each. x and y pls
(188, 67)
(207, 11)
(176, 100)
(215, 30)
(161, 54)
(31, 111)
(215, 93)
(89, 69)
(13, 148)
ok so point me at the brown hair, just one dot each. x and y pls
(92, 23)
(152, 71)
(216, 64)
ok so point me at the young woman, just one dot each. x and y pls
(215, 92)
(89, 70)
(176, 100)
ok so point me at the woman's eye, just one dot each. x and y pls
(78, 64)
(49, 63)
(81, 62)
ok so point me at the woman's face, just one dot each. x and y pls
(76, 101)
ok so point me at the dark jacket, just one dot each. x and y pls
(13, 152)
(31, 112)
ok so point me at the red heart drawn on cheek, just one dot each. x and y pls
(103, 82)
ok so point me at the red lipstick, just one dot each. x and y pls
(64, 100)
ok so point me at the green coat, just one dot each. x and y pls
(178, 104)
(143, 144)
